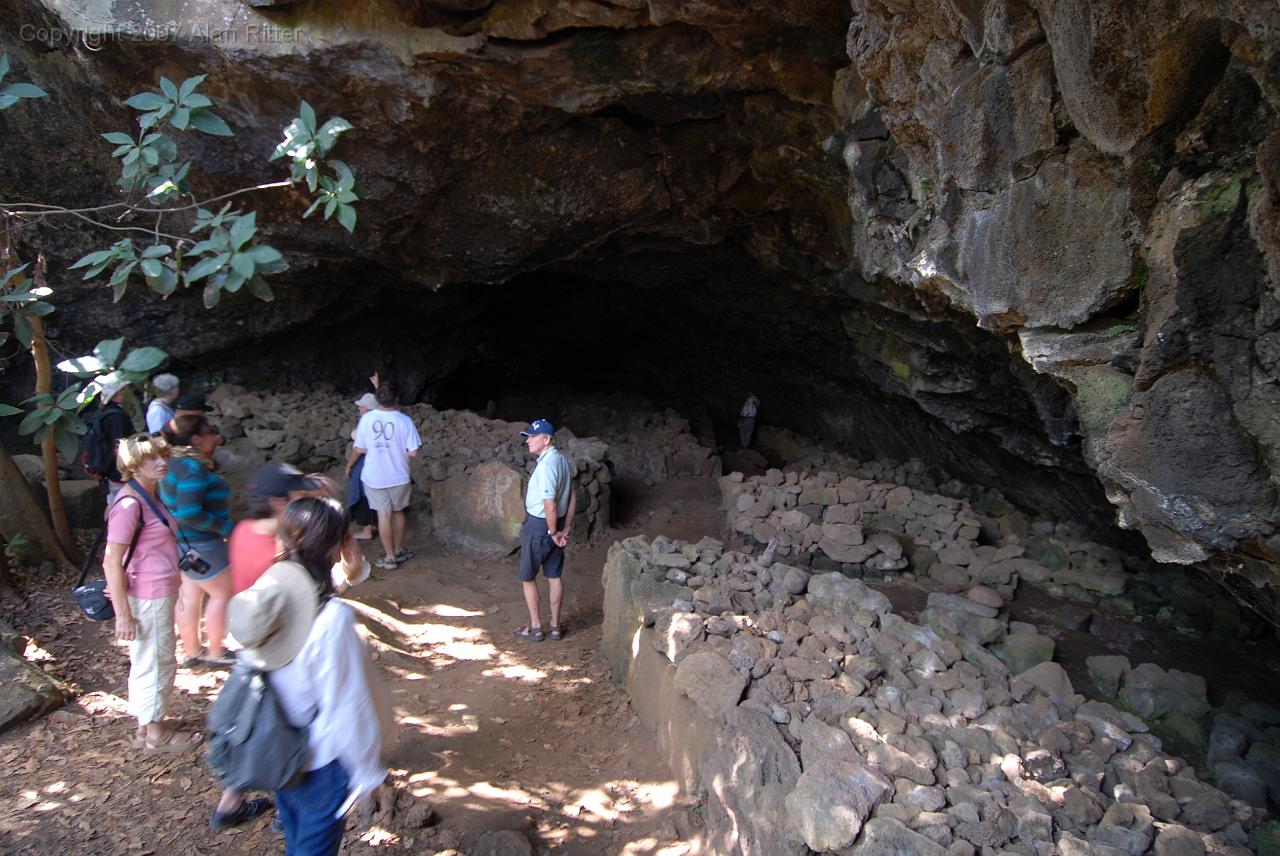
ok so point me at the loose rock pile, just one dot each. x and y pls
(470, 470)
(818, 720)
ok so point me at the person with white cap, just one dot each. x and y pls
(305, 639)
(550, 502)
(386, 438)
(160, 410)
(357, 502)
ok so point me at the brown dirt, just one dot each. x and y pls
(494, 732)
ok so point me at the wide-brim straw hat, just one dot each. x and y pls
(272, 618)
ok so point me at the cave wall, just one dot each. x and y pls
(1032, 241)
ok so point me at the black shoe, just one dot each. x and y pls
(248, 810)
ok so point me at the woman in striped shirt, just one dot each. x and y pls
(198, 498)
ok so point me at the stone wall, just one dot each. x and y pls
(469, 476)
(820, 721)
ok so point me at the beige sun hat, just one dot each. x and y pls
(367, 401)
(272, 618)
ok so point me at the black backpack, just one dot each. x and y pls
(97, 452)
(252, 746)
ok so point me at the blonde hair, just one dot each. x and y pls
(132, 451)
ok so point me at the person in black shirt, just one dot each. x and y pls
(116, 425)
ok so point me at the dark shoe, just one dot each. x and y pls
(225, 661)
(248, 810)
(533, 634)
(556, 632)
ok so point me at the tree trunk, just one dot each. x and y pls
(21, 514)
(49, 448)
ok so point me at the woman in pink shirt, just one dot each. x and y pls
(141, 566)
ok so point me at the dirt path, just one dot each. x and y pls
(495, 732)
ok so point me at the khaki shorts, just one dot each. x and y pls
(388, 498)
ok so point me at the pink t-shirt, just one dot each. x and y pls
(251, 554)
(153, 568)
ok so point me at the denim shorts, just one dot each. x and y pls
(537, 550)
(213, 551)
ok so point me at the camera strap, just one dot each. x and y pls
(145, 494)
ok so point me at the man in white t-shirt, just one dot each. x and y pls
(387, 439)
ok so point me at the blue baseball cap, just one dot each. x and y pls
(538, 426)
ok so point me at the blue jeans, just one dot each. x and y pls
(307, 808)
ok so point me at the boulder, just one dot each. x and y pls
(884, 836)
(840, 595)
(1024, 650)
(832, 799)
(25, 691)
(711, 682)
(1150, 691)
(1106, 671)
(482, 509)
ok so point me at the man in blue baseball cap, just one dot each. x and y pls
(549, 504)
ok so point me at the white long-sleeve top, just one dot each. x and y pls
(331, 679)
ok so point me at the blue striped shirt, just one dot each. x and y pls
(198, 499)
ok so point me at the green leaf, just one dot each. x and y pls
(347, 217)
(108, 350)
(118, 289)
(189, 86)
(52, 415)
(313, 176)
(151, 267)
(143, 359)
(330, 206)
(180, 118)
(67, 441)
(31, 421)
(166, 283)
(7, 101)
(327, 136)
(308, 116)
(23, 90)
(93, 258)
(346, 179)
(169, 89)
(207, 266)
(243, 264)
(121, 273)
(151, 156)
(157, 251)
(196, 101)
(131, 157)
(86, 366)
(259, 288)
(147, 120)
(263, 254)
(22, 329)
(38, 309)
(212, 294)
(147, 101)
(210, 246)
(4, 65)
(67, 400)
(312, 209)
(118, 138)
(9, 410)
(206, 122)
(243, 229)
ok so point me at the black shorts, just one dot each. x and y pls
(537, 550)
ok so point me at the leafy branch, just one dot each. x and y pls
(155, 178)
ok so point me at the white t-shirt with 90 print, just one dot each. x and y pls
(387, 437)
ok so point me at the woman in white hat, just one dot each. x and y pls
(292, 627)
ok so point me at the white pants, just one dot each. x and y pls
(152, 663)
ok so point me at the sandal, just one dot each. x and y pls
(194, 661)
(172, 741)
(404, 554)
(386, 564)
(556, 632)
(533, 634)
(225, 661)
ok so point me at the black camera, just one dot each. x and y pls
(192, 563)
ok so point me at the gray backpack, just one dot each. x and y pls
(252, 746)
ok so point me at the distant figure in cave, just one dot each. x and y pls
(387, 439)
(747, 419)
(161, 410)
